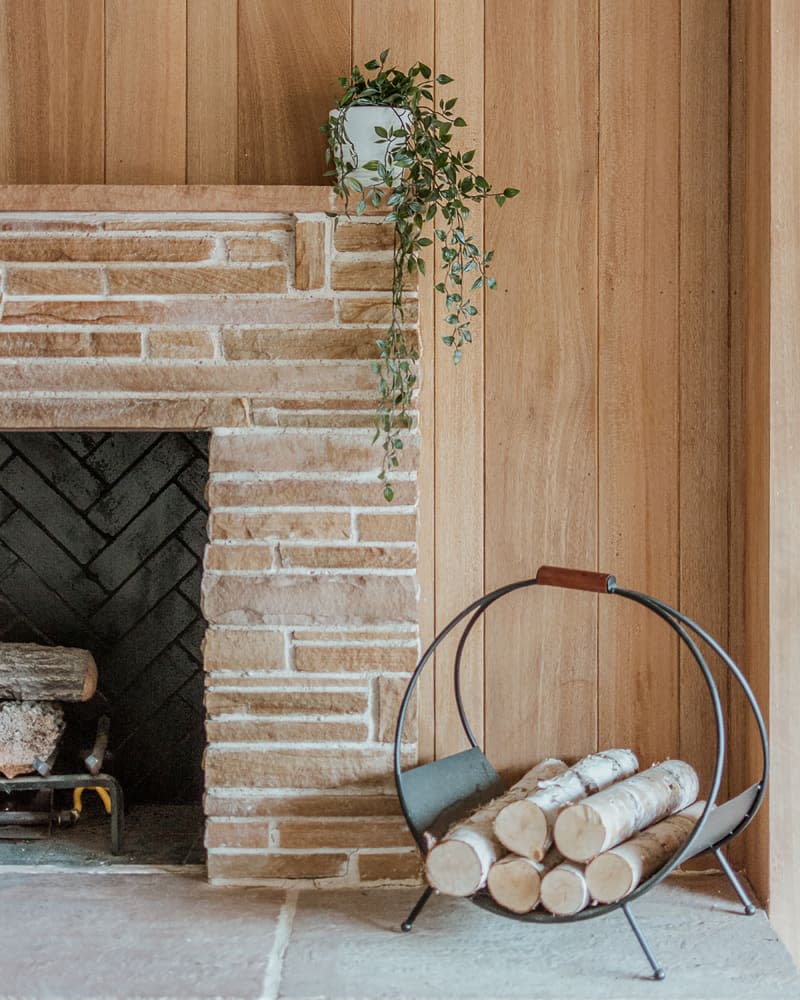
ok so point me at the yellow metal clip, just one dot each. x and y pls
(77, 793)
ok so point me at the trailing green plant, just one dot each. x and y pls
(424, 182)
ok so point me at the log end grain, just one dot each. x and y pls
(579, 833)
(564, 891)
(515, 884)
(454, 869)
(609, 877)
(522, 828)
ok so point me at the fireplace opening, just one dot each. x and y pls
(101, 548)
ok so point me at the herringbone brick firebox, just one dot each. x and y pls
(259, 328)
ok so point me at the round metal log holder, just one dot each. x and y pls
(417, 787)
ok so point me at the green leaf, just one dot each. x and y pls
(448, 341)
(421, 265)
(500, 199)
(439, 287)
(372, 64)
(511, 192)
(491, 282)
(459, 123)
(476, 284)
(425, 70)
(383, 56)
(388, 492)
(361, 207)
(456, 356)
(469, 156)
(443, 78)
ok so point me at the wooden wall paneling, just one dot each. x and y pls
(145, 45)
(459, 532)
(541, 341)
(290, 56)
(639, 368)
(750, 406)
(784, 579)
(212, 105)
(406, 28)
(51, 103)
(704, 362)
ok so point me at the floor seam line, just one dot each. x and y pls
(270, 989)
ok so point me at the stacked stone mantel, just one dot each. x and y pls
(251, 313)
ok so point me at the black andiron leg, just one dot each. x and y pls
(738, 888)
(408, 923)
(658, 972)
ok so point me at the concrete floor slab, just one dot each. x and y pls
(77, 937)
(348, 946)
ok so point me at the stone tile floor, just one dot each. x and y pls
(168, 934)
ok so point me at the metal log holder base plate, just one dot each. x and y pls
(54, 782)
(433, 796)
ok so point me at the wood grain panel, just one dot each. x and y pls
(51, 102)
(406, 27)
(212, 105)
(145, 92)
(639, 368)
(290, 56)
(704, 360)
(540, 376)
(459, 406)
(785, 488)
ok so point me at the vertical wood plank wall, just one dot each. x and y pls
(589, 426)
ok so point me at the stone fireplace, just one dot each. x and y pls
(253, 319)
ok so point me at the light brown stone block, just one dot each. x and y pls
(243, 649)
(248, 835)
(297, 451)
(196, 280)
(240, 557)
(388, 694)
(350, 834)
(309, 252)
(355, 659)
(286, 731)
(389, 866)
(258, 866)
(303, 524)
(305, 599)
(118, 413)
(309, 418)
(334, 805)
(255, 249)
(240, 224)
(266, 702)
(387, 527)
(346, 557)
(43, 249)
(306, 492)
(109, 344)
(300, 767)
(324, 345)
(365, 275)
(180, 344)
(376, 309)
(364, 237)
(68, 344)
(54, 281)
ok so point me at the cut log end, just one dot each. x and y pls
(515, 884)
(522, 828)
(564, 891)
(579, 833)
(610, 877)
(454, 868)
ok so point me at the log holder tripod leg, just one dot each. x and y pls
(658, 971)
(738, 888)
(408, 923)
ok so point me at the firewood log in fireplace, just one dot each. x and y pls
(29, 672)
(526, 827)
(617, 872)
(564, 890)
(594, 825)
(459, 863)
(28, 730)
(515, 882)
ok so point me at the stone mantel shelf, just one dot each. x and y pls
(166, 198)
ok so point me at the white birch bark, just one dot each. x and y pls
(515, 882)
(564, 890)
(526, 827)
(588, 828)
(617, 872)
(458, 865)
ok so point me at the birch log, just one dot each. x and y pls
(617, 872)
(29, 672)
(28, 729)
(588, 828)
(516, 882)
(458, 865)
(564, 890)
(526, 827)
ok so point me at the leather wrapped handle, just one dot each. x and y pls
(576, 579)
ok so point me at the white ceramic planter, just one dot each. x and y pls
(364, 145)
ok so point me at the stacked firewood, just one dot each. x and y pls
(569, 836)
(34, 681)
